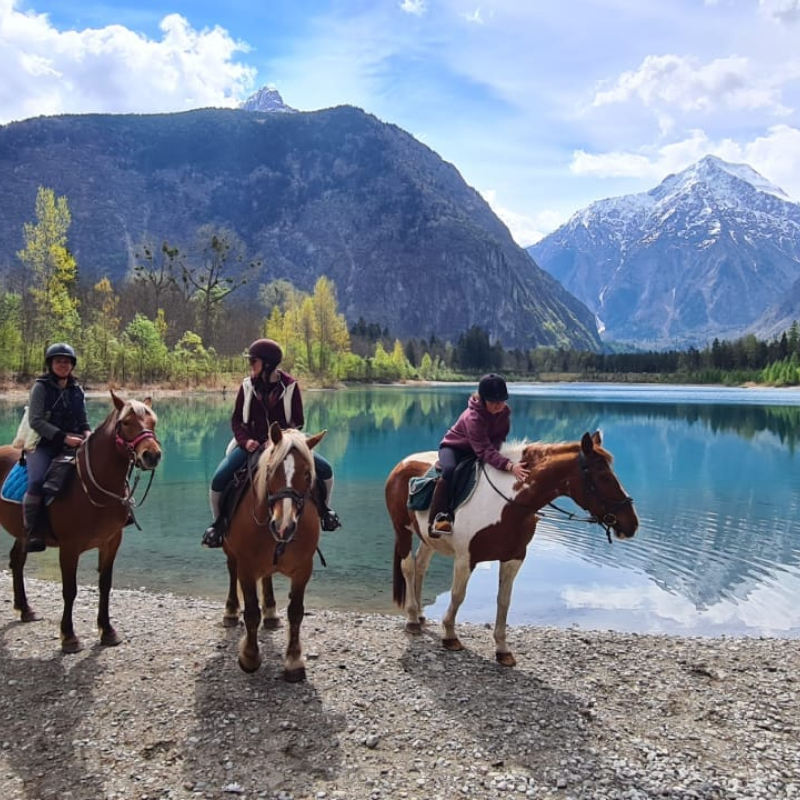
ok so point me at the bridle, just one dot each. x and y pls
(607, 521)
(127, 448)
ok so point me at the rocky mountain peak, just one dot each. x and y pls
(267, 98)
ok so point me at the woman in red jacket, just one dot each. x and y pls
(478, 433)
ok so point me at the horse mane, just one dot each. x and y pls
(274, 455)
(141, 410)
(541, 452)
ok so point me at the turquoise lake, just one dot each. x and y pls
(714, 473)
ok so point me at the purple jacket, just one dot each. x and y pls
(257, 405)
(483, 433)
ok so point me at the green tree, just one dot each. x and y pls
(53, 270)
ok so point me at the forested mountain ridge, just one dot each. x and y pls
(336, 192)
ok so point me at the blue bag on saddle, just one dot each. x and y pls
(15, 484)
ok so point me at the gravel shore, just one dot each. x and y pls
(168, 714)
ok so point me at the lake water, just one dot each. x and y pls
(714, 473)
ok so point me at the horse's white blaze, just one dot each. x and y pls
(289, 468)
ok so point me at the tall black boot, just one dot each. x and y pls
(329, 519)
(440, 515)
(31, 512)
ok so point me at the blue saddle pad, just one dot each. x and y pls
(420, 489)
(15, 484)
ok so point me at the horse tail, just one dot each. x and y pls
(398, 580)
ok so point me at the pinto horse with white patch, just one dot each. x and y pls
(498, 522)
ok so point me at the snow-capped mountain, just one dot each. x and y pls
(267, 99)
(702, 255)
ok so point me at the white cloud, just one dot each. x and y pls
(416, 7)
(114, 69)
(671, 81)
(784, 11)
(474, 17)
(525, 230)
(775, 154)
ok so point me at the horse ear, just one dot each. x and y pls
(118, 403)
(313, 441)
(148, 401)
(275, 433)
(597, 439)
(587, 443)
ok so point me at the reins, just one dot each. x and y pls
(606, 522)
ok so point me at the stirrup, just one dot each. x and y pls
(330, 520)
(213, 536)
(443, 523)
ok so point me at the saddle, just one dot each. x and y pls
(56, 482)
(465, 479)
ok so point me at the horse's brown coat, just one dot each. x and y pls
(90, 513)
(281, 515)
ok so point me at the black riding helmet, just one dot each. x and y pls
(267, 350)
(60, 349)
(492, 388)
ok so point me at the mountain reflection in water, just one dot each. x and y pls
(713, 472)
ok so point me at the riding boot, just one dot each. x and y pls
(31, 511)
(216, 531)
(329, 519)
(440, 515)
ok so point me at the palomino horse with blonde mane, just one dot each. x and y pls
(498, 521)
(91, 513)
(275, 529)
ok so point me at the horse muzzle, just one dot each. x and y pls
(148, 459)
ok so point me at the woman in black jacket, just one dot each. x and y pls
(57, 412)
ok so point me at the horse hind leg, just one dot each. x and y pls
(269, 614)
(230, 617)
(508, 572)
(16, 563)
(421, 563)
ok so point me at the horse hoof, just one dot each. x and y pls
(271, 623)
(110, 638)
(249, 665)
(29, 615)
(452, 644)
(71, 645)
(506, 659)
(230, 621)
(414, 628)
(294, 675)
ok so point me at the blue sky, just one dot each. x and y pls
(543, 106)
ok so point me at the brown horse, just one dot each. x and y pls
(90, 513)
(498, 521)
(275, 529)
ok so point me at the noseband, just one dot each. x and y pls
(128, 447)
(609, 518)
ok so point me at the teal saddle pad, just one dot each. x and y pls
(15, 484)
(420, 489)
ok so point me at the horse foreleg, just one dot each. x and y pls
(458, 591)
(230, 619)
(69, 590)
(108, 636)
(16, 562)
(249, 657)
(294, 668)
(508, 572)
(269, 613)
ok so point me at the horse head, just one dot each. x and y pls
(592, 484)
(134, 432)
(286, 478)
